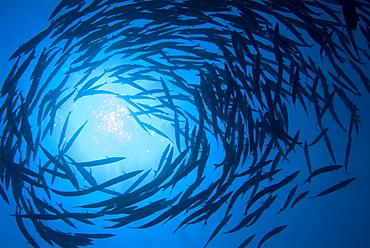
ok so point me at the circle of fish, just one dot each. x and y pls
(222, 75)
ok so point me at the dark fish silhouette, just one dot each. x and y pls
(336, 187)
(350, 13)
(99, 162)
(3, 195)
(247, 241)
(323, 170)
(73, 138)
(299, 198)
(218, 228)
(270, 234)
(108, 183)
(288, 199)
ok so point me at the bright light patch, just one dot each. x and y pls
(111, 119)
(111, 131)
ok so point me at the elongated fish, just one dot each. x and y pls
(336, 187)
(100, 186)
(270, 234)
(98, 162)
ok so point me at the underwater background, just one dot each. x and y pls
(339, 219)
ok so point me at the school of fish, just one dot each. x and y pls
(229, 76)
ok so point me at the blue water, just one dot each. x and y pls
(337, 220)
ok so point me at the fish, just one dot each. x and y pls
(108, 183)
(142, 212)
(64, 129)
(258, 212)
(350, 14)
(319, 137)
(73, 138)
(24, 231)
(32, 43)
(270, 189)
(299, 197)
(138, 120)
(54, 160)
(335, 187)
(323, 170)
(271, 233)
(62, 166)
(247, 241)
(98, 162)
(203, 213)
(251, 218)
(156, 130)
(60, 216)
(55, 173)
(4, 195)
(330, 148)
(138, 181)
(84, 173)
(289, 198)
(17, 167)
(307, 156)
(8, 84)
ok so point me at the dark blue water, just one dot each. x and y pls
(339, 219)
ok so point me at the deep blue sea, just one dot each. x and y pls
(338, 220)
